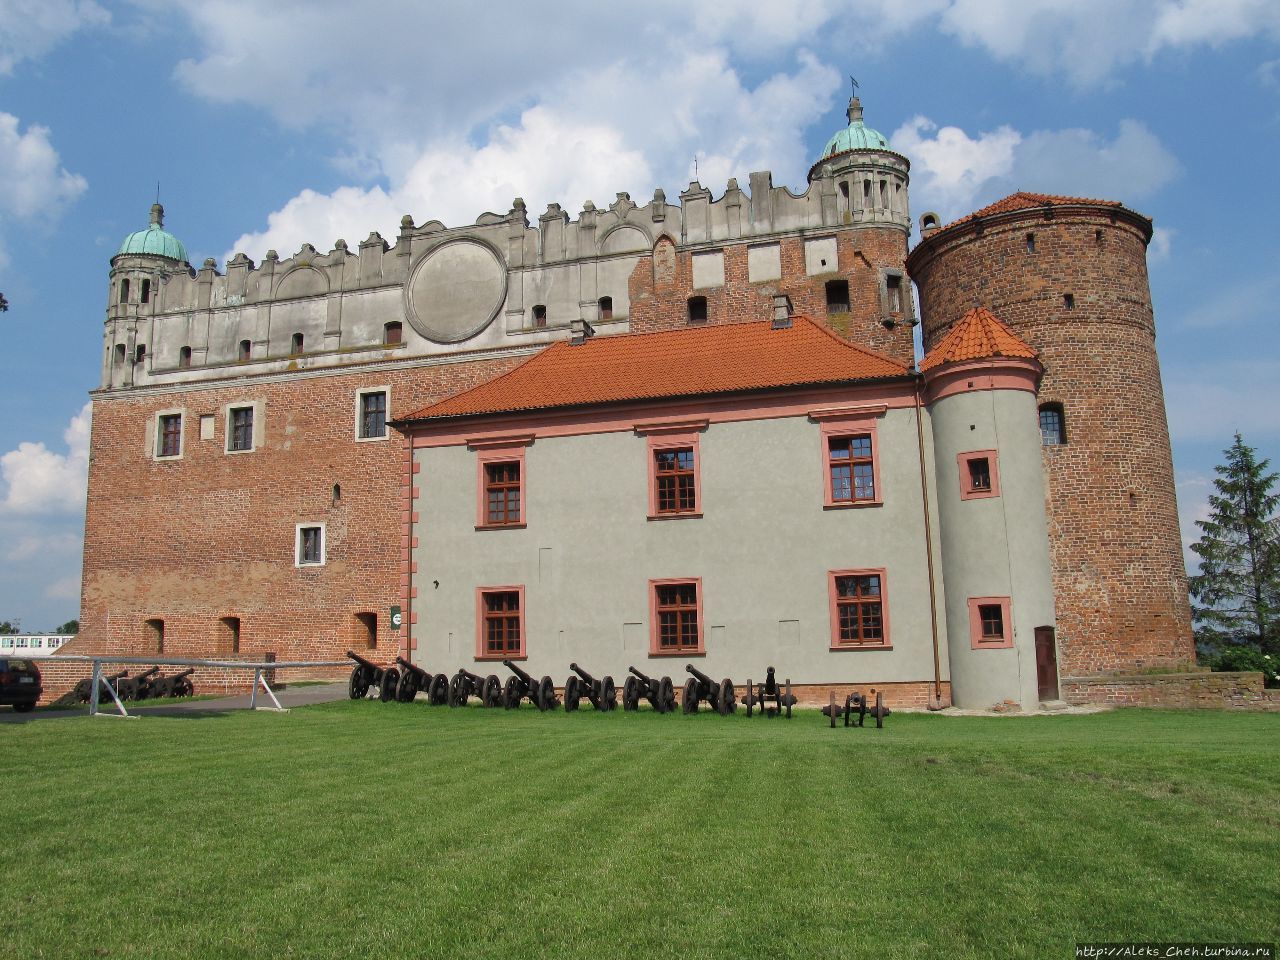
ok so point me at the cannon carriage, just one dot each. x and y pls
(661, 693)
(521, 686)
(856, 708)
(770, 698)
(366, 674)
(174, 685)
(137, 687)
(700, 687)
(415, 680)
(83, 689)
(464, 685)
(601, 694)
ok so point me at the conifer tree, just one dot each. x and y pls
(1237, 592)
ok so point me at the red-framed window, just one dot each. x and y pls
(850, 457)
(500, 623)
(675, 608)
(170, 444)
(501, 487)
(675, 483)
(979, 474)
(990, 623)
(859, 609)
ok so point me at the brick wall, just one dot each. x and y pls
(211, 535)
(1235, 691)
(1119, 579)
(662, 284)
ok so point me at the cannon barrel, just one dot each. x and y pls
(147, 674)
(413, 668)
(362, 661)
(639, 674)
(473, 677)
(690, 668)
(185, 673)
(517, 671)
(587, 678)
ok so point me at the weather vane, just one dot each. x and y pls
(854, 84)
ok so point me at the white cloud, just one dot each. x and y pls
(24, 548)
(1161, 244)
(38, 480)
(1193, 504)
(954, 172)
(31, 28)
(64, 588)
(34, 183)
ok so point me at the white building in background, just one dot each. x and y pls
(33, 644)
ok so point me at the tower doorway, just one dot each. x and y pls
(1046, 663)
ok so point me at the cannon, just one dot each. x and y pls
(859, 704)
(136, 688)
(699, 687)
(601, 694)
(81, 691)
(466, 685)
(760, 695)
(366, 674)
(660, 693)
(414, 679)
(521, 686)
(176, 685)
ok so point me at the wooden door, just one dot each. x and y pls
(1047, 663)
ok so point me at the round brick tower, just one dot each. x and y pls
(1070, 277)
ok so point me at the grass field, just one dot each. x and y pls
(364, 829)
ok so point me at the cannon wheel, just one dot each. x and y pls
(492, 695)
(408, 689)
(457, 691)
(879, 710)
(571, 694)
(666, 695)
(631, 694)
(359, 685)
(511, 693)
(608, 694)
(438, 690)
(689, 700)
(728, 702)
(545, 695)
(389, 685)
(185, 688)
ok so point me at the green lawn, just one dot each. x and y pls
(368, 829)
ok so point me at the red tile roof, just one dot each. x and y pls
(977, 336)
(1029, 201)
(693, 361)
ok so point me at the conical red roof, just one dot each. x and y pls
(977, 336)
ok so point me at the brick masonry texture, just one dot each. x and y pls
(1232, 691)
(211, 535)
(1119, 579)
(662, 284)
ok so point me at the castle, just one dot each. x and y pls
(692, 429)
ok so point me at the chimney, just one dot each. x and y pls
(781, 312)
(580, 332)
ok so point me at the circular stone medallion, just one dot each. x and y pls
(456, 290)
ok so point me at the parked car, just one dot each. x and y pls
(19, 683)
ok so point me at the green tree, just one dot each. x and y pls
(71, 626)
(8, 629)
(1236, 595)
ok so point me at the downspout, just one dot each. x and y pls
(928, 552)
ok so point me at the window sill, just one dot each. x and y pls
(853, 505)
(978, 495)
(499, 657)
(847, 647)
(697, 515)
(501, 526)
(677, 653)
(993, 645)
(385, 436)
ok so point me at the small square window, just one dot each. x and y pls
(169, 435)
(697, 310)
(240, 429)
(500, 623)
(990, 624)
(979, 474)
(859, 613)
(310, 545)
(675, 616)
(372, 415)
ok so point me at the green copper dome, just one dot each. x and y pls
(155, 241)
(856, 136)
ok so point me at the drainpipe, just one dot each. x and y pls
(928, 548)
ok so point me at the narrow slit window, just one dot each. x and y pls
(146, 291)
(1031, 243)
(245, 350)
(893, 292)
(121, 352)
(140, 353)
(606, 308)
(697, 310)
(124, 291)
(1069, 301)
(184, 357)
(295, 345)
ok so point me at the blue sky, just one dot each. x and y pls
(270, 125)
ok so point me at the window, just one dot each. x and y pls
(1031, 243)
(539, 315)
(675, 616)
(184, 358)
(146, 291)
(392, 332)
(893, 293)
(240, 429)
(371, 415)
(140, 353)
(979, 476)
(837, 296)
(169, 435)
(859, 611)
(697, 310)
(229, 641)
(500, 485)
(674, 469)
(851, 468)
(121, 352)
(1053, 428)
(367, 630)
(309, 551)
(245, 350)
(1069, 301)
(124, 291)
(606, 308)
(990, 625)
(295, 346)
(154, 630)
(499, 623)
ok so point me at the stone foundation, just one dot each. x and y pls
(1216, 691)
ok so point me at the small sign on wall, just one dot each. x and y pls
(396, 618)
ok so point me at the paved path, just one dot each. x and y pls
(289, 697)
